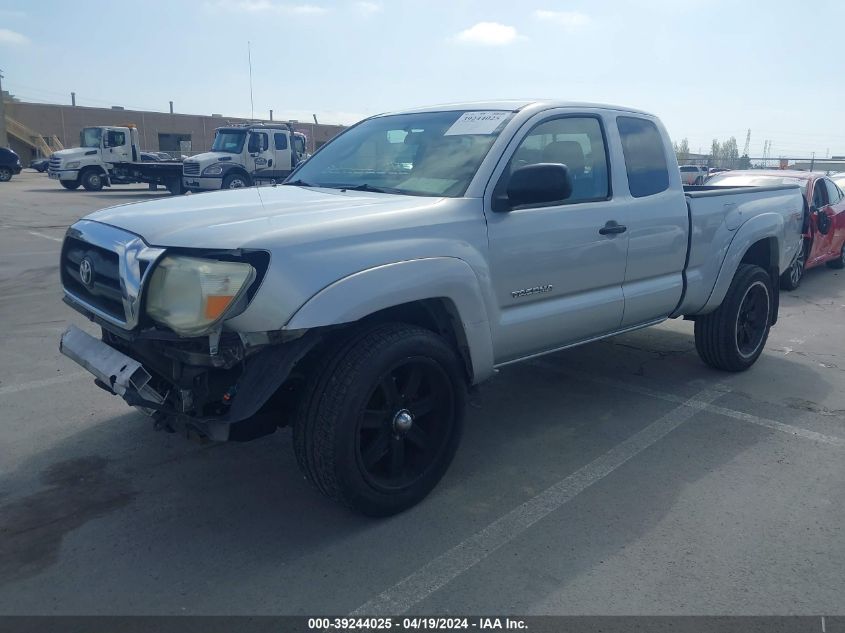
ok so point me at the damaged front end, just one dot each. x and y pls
(233, 395)
(164, 347)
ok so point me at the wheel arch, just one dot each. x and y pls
(237, 170)
(98, 168)
(758, 241)
(442, 294)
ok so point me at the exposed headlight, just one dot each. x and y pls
(74, 164)
(189, 295)
(213, 170)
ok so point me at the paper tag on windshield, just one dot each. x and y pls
(477, 123)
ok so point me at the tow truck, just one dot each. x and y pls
(111, 155)
(246, 155)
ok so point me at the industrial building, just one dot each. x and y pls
(36, 129)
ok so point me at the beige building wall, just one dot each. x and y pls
(66, 122)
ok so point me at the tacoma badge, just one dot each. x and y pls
(516, 294)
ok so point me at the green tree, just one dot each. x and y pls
(715, 151)
(681, 150)
(729, 153)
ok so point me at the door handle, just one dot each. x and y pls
(612, 228)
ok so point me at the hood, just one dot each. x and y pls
(253, 217)
(75, 152)
(209, 158)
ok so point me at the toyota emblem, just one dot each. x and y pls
(86, 271)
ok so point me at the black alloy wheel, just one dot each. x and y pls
(752, 321)
(405, 424)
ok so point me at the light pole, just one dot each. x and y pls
(4, 140)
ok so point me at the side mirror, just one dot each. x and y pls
(254, 144)
(107, 140)
(539, 183)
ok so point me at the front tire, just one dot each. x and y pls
(5, 174)
(732, 337)
(236, 181)
(70, 184)
(381, 418)
(92, 180)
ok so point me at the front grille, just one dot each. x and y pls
(103, 288)
(191, 168)
(55, 163)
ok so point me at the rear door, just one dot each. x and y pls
(836, 205)
(657, 219)
(281, 147)
(557, 279)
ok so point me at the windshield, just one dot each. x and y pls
(229, 141)
(748, 180)
(90, 137)
(427, 154)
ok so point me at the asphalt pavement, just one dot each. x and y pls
(621, 477)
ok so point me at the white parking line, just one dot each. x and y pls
(30, 253)
(438, 572)
(45, 382)
(46, 237)
(23, 295)
(797, 431)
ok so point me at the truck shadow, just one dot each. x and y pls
(118, 496)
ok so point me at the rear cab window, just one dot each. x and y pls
(645, 156)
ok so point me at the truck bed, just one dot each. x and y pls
(716, 215)
(167, 174)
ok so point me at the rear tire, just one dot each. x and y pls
(381, 417)
(70, 184)
(732, 337)
(92, 180)
(5, 174)
(838, 263)
(175, 187)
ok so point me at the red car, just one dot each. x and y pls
(824, 237)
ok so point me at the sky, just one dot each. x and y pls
(709, 69)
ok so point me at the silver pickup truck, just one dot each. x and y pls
(403, 263)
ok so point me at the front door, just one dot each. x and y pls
(822, 242)
(260, 157)
(558, 280)
(117, 146)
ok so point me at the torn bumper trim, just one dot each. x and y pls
(125, 376)
(119, 374)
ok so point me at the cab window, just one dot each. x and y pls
(115, 139)
(645, 157)
(819, 194)
(280, 140)
(833, 194)
(578, 143)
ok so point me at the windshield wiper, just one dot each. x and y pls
(364, 187)
(298, 183)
